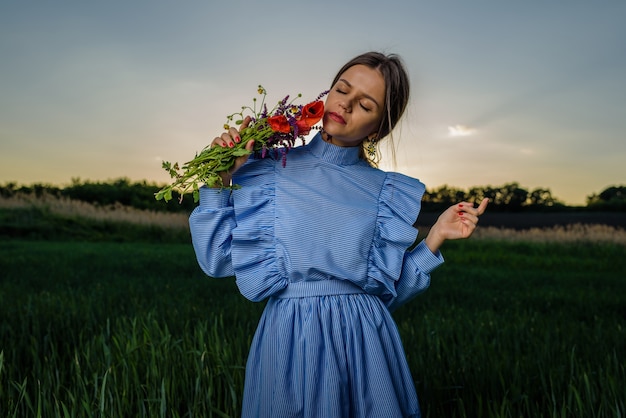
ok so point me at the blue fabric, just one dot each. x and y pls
(326, 239)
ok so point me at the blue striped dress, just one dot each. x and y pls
(326, 238)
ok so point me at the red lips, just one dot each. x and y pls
(337, 117)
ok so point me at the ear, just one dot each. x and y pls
(372, 137)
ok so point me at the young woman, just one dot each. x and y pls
(330, 240)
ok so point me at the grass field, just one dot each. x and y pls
(112, 329)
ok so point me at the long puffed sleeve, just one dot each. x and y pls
(211, 224)
(415, 277)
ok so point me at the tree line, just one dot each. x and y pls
(510, 197)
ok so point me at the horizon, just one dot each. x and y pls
(526, 91)
(148, 182)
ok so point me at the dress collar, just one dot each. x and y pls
(332, 153)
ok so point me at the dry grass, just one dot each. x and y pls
(567, 233)
(111, 213)
(573, 233)
(119, 213)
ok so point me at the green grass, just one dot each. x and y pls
(521, 330)
(109, 329)
(41, 223)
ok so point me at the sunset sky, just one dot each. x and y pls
(530, 91)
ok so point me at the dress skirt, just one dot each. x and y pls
(328, 356)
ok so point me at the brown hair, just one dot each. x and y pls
(396, 90)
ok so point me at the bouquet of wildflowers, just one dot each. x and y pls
(274, 132)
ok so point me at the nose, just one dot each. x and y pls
(345, 106)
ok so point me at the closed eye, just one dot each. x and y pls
(364, 107)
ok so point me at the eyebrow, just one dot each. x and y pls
(364, 94)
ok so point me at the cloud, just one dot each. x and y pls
(460, 130)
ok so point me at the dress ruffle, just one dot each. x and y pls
(399, 205)
(253, 248)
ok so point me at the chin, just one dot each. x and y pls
(330, 127)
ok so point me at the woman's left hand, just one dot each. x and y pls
(456, 222)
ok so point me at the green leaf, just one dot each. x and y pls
(239, 152)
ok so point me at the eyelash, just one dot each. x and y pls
(362, 107)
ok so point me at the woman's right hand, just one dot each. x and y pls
(229, 139)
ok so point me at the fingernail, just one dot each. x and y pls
(237, 139)
(230, 144)
(461, 213)
(460, 206)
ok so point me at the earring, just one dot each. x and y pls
(371, 149)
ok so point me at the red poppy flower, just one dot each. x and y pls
(303, 127)
(279, 123)
(312, 113)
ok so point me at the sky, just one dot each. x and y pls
(531, 92)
